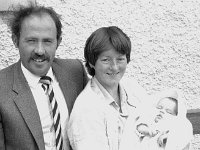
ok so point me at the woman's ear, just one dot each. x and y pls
(15, 40)
(92, 66)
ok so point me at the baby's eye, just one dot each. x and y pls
(159, 107)
(170, 112)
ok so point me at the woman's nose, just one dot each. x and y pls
(114, 65)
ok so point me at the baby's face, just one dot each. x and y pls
(167, 108)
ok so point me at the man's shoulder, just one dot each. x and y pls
(7, 70)
(72, 66)
(6, 78)
(67, 62)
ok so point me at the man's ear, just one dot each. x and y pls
(59, 41)
(15, 40)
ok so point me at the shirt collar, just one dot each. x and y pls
(109, 99)
(105, 93)
(33, 79)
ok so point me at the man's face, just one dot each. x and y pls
(38, 43)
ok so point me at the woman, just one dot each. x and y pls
(100, 112)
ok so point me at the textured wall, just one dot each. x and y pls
(165, 37)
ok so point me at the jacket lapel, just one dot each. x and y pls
(26, 105)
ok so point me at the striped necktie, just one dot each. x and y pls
(46, 85)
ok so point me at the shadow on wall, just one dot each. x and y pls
(194, 116)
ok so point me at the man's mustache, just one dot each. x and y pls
(42, 57)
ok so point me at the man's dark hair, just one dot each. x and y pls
(23, 12)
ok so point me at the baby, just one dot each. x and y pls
(159, 123)
(166, 112)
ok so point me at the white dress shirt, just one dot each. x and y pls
(43, 106)
(122, 116)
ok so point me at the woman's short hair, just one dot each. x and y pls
(101, 40)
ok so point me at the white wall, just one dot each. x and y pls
(165, 37)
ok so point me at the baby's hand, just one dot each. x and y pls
(143, 129)
(162, 139)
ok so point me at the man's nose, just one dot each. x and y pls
(40, 50)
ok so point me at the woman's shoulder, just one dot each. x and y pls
(88, 99)
(132, 84)
(133, 88)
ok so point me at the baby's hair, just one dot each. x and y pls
(176, 101)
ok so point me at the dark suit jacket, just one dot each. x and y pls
(20, 127)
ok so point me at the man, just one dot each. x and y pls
(27, 120)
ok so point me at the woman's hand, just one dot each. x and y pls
(187, 147)
(162, 139)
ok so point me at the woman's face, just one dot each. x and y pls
(110, 68)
